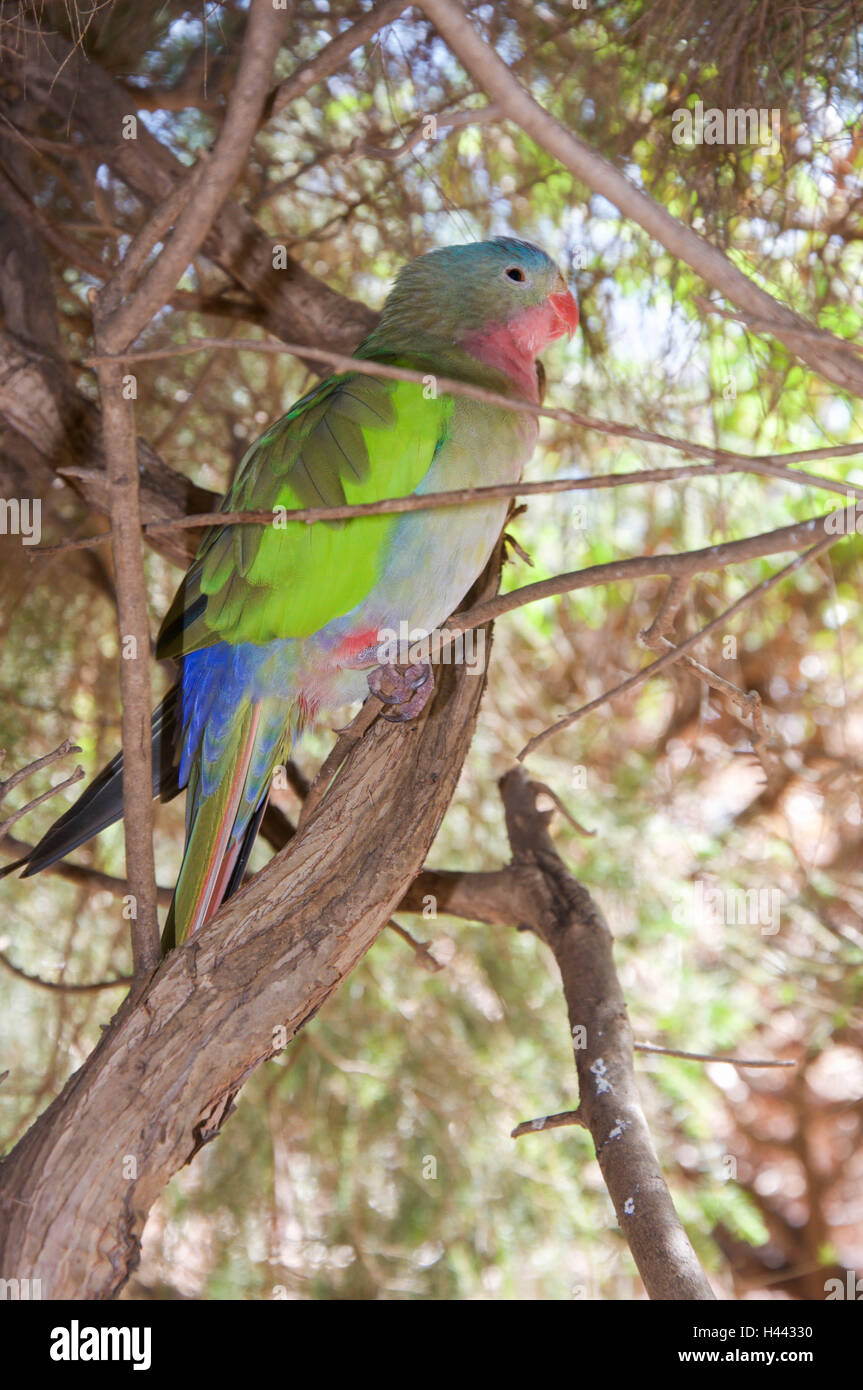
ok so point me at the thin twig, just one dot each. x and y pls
(331, 57)
(757, 325)
(11, 782)
(749, 703)
(566, 1118)
(772, 465)
(152, 231)
(667, 611)
(455, 120)
(711, 1057)
(60, 986)
(674, 653)
(559, 1121)
(567, 815)
(417, 502)
(423, 955)
(37, 801)
(62, 751)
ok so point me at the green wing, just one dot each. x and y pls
(353, 439)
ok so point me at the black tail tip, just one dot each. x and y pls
(17, 864)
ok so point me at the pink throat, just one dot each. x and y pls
(513, 347)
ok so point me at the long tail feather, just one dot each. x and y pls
(229, 766)
(102, 802)
(237, 859)
(219, 831)
(245, 848)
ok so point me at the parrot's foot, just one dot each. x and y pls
(408, 687)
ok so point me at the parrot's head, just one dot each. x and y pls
(503, 300)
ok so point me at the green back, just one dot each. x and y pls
(353, 439)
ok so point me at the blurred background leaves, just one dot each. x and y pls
(373, 1159)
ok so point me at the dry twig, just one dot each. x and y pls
(63, 751)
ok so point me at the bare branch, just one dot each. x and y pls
(413, 502)
(715, 557)
(151, 232)
(565, 1119)
(455, 120)
(12, 781)
(294, 303)
(674, 653)
(771, 465)
(61, 986)
(65, 748)
(569, 922)
(747, 702)
(332, 56)
(668, 610)
(118, 426)
(81, 874)
(712, 1056)
(424, 957)
(125, 319)
(762, 325)
(562, 1120)
(121, 316)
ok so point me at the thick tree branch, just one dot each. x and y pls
(569, 922)
(500, 897)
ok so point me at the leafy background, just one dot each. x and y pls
(374, 1158)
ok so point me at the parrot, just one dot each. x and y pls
(276, 627)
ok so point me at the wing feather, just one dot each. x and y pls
(352, 439)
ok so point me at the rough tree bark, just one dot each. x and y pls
(39, 403)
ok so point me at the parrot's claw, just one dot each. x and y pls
(408, 687)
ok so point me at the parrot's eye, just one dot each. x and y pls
(515, 272)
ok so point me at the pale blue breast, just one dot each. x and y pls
(436, 555)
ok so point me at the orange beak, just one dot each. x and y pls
(566, 309)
